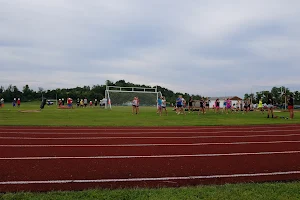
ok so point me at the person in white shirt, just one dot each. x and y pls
(164, 105)
(134, 105)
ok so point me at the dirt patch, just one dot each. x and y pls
(29, 111)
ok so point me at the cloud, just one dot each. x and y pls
(199, 47)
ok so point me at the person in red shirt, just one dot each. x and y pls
(69, 101)
(59, 102)
(19, 102)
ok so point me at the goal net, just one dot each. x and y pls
(123, 96)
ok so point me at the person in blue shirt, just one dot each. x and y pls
(179, 104)
(159, 105)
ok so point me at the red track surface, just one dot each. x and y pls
(48, 158)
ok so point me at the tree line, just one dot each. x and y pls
(279, 94)
(98, 92)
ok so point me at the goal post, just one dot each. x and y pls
(123, 96)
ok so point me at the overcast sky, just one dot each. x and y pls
(205, 47)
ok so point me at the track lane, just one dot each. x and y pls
(144, 167)
(142, 150)
(112, 141)
(144, 129)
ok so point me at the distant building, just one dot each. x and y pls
(234, 100)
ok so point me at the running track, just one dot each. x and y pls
(45, 158)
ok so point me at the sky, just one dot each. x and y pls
(205, 47)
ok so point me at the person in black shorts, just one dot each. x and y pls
(191, 107)
(246, 105)
(270, 103)
(202, 102)
(207, 104)
(249, 104)
(78, 102)
(217, 106)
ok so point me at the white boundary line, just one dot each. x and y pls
(145, 145)
(151, 132)
(151, 156)
(149, 179)
(184, 137)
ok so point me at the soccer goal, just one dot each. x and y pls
(123, 96)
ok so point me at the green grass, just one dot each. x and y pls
(121, 116)
(264, 191)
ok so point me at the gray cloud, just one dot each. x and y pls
(200, 47)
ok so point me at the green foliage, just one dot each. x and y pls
(278, 93)
(94, 92)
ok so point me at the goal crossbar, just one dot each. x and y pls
(131, 89)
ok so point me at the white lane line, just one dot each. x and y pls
(150, 156)
(150, 179)
(145, 145)
(184, 137)
(152, 132)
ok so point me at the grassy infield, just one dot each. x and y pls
(122, 117)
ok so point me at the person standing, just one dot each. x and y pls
(134, 105)
(270, 103)
(81, 103)
(1, 103)
(59, 102)
(19, 102)
(159, 105)
(207, 104)
(70, 103)
(202, 102)
(228, 105)
(291, 106)
(137, 105)
(164, 105)
(246, 103)
(78, 102)
(224, 106)
(179, 105)
(96, 102)
(260, 106)
(14, 102)
(85, 101)
(191, 101)
(217, 106)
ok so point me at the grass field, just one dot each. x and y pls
(122, 116)
(264, 191)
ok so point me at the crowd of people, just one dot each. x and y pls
(15, 103)
(80, 103)
(181, 105)
(243, 106)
